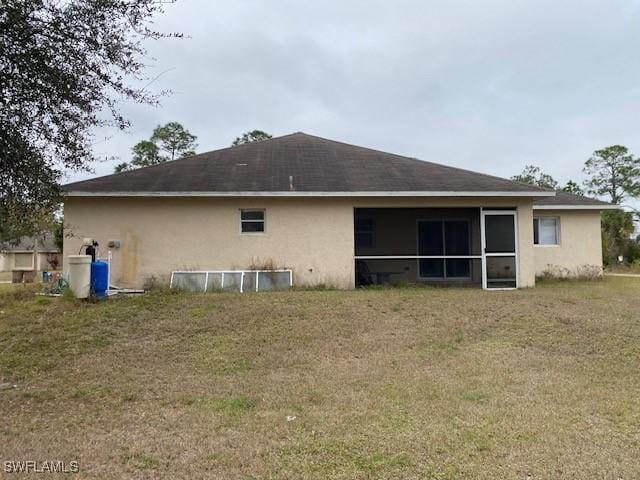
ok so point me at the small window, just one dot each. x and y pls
(23, 260)
(364, 232)
(251, 221)
(546, 231)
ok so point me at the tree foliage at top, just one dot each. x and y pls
(174, 140)
(533, 175)
(614, 172)
(167, 142)
(573, 187)
(252, 136)
(66, 66)
(145, 153)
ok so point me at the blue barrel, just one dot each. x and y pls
(99, 278)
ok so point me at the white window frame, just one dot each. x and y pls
(263, 221)
(444, 257)
(558, 232)
(243, 274)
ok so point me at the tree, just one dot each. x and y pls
(533, 175)
(252, 136)
(175, 140)
(573, 187)
(617, 228)
(146, 153)
(122, 167)
(66, 67)
(614, 172)
(172, 138)
(46, 223)
(58, 233)
(632, 253)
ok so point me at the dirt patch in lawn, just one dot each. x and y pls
(398, 383)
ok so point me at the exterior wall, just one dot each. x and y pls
(158, 235)
(6, 262)
(312, 236)
(580, 249)
(526, 266)
(26, 261)
(43, 260)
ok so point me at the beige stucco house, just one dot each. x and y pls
(26, 258)
(333, 213)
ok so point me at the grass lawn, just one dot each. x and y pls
(634, 269)
(400, 383)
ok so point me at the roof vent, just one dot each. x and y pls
(291, 187)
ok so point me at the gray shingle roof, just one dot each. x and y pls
(315, 165)
(569, 199)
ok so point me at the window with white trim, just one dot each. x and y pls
(252, 221)
(546, 230)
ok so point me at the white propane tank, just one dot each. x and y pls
(80, 275)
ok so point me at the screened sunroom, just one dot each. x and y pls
(440, 246)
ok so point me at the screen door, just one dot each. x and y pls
(499, 250)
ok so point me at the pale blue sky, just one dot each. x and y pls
(489, 86)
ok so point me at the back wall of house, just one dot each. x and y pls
(312, 236)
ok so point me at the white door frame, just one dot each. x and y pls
(484, 213)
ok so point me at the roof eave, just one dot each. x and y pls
(76, 193)
(575, 207)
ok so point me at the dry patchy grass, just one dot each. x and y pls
(400, 383)
(633, 269)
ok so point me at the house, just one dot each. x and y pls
(336, 214)
(23, 259)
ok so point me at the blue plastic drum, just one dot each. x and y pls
(99, 278)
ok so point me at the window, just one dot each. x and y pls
(444, 238)
(364, 232)
(546, 230)
(251, 221)
(23, 261)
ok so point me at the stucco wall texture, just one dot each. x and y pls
(312, 236)
(157, 236)
(580, 248)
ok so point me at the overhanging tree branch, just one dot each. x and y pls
(63, 64)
